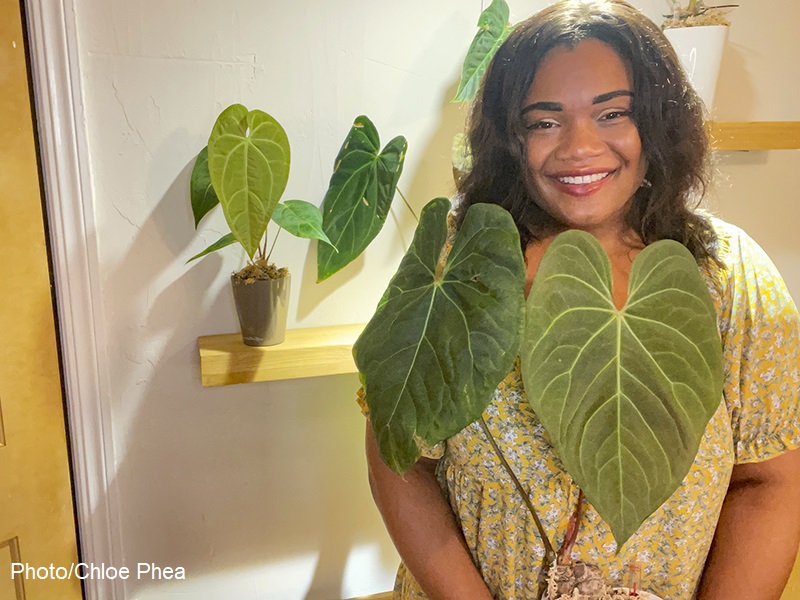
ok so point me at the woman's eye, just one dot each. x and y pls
(542, 125)
(615, 114)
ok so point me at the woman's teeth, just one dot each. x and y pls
(584, 178)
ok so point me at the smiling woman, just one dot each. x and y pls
(585, 121)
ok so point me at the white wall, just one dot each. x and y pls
(260, 490)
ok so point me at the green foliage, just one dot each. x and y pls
(361, 189)
(300, 218)
(493, 29)
(625, 395)
(248, 160)
(249, 156)
(225, 240)
(445, 333)
(202, 193)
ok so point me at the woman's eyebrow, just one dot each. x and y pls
(558, 107)
(609, 95)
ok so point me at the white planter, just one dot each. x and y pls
(700, 51)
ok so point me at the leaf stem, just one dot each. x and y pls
(565, 552)
(275, 239)
(549, 553)
(408, 206)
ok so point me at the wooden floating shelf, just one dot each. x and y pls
(765, 135)
(311, 352)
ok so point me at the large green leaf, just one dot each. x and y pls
(300, 218)
(248, 159)
(493, 29)
(445, 333)
(201, 191)
(361, 189)
(624, 394)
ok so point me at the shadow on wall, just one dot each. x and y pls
(225, 481)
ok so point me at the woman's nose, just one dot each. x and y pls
(581, 139)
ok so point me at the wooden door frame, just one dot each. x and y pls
(64, 154)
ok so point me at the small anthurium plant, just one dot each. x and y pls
(624, 394)
(695, 13)
(245, 169)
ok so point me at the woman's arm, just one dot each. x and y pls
(424, 529)
(757, 536)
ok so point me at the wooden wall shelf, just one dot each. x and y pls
(311, 352)
(765, 135)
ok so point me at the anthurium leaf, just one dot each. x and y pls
(225, 240)
(359, 195)
(493, 29)
(201, 191)
(300, 218)
(445, 333)
(248, 160)
(624, 394)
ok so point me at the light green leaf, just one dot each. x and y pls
(225, 240)
(201, 192)
(625, 395)
(444, 334)
(248, 159)
(493, 29)
(361, 189)
(300, 218)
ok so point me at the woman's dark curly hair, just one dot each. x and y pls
(666, 110)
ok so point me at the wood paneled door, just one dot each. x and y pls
(37, 524)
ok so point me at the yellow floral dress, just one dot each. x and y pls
(757, 419)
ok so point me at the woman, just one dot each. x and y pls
(585, 121)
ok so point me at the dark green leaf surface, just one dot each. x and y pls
(444, 335)
(625, 395)
(201, 192)
(300, 218)
(225, 240)
(493, 29)
(359, 196)
(248, 159)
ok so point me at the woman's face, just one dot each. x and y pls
(583, 148)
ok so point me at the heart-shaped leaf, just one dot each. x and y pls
(225, 240)
(248, 159)
(445, 333)
(300, 218)
(493, 29)
(201, 191)
(361, 189)
(625, 395)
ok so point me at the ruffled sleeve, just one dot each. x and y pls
(760, 330)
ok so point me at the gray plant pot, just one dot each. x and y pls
(262, 307)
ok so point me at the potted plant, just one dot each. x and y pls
(698, 33)
(443, 337)
(244, 169)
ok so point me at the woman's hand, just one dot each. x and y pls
(424, 529)
(758, 532)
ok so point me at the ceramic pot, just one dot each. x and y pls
(700, 52)
(262, 307)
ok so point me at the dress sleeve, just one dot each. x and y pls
(761, 344)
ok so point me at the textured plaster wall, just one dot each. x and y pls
(259, 491)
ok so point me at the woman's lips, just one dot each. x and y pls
(573, 188)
